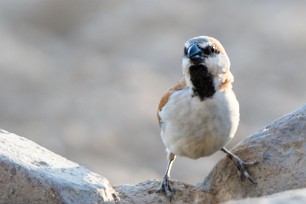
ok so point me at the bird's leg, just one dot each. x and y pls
(165, 186)
(241, 165)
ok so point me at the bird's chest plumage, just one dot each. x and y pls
(196, 128)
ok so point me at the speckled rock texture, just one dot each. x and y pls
(30, 173)
(297, 196)
(145, 192)
(280, 149)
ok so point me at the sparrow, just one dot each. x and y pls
(200, 114)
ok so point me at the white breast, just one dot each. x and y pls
(195, 128)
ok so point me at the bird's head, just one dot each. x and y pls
(205, 59)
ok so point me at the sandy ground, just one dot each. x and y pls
(84, 78)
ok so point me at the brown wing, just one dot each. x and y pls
(179, 86)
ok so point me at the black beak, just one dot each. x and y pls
(194, 53)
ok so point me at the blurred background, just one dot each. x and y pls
(84, 78)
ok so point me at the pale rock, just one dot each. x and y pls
(297, 196)
(280, 149)
(30, 173)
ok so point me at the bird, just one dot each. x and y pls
(200, 114)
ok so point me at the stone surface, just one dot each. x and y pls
(30, 173)
(145, 192)
(297, 196)
(280, 149)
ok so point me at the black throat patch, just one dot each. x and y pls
(202, 80)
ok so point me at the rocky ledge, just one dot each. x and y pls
(30, 173)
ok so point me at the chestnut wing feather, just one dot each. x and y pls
(165, 98)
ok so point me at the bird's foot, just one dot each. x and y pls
(241, 166)
(166, 188)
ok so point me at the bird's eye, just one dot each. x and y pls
(185, 51)
(213, 49)
(208, 50)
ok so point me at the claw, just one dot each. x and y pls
(241, 166)
(166, 188)
(250, 163)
